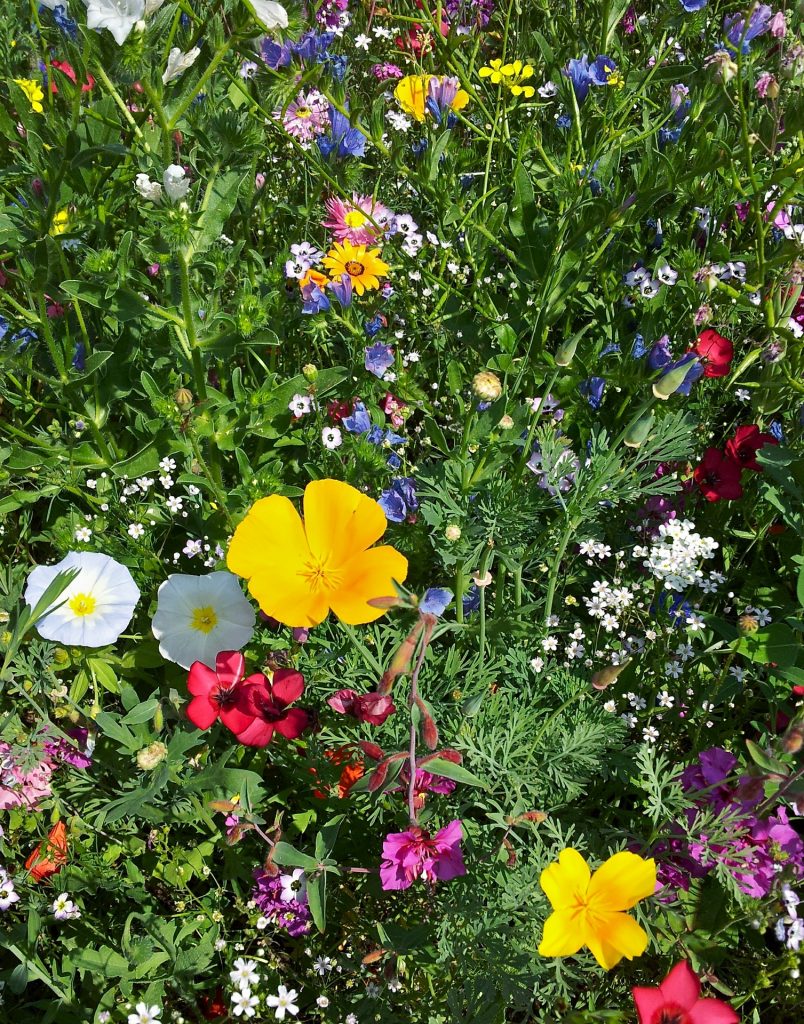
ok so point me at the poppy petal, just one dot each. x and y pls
(365, 577)
(648, 1002)
(271, 535)
(712, 1011)
(567, 879)
(611, 937)
(622, 882)
(235, 720)
(257, 734)
(230, 666)
(340, 521)
(562, 935)
(285, 594)
(202, 712)
(201, 679)
(681, 986)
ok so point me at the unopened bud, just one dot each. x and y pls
(638, 433)
(159, 718)
(310, 372)
(184, 399)
(149, 757)
(566, 350)
(748, 624)
(452, 533)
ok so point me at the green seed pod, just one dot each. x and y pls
(638, 433)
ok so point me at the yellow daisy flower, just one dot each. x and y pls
(363, 265)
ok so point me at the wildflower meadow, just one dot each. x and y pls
(401, 511)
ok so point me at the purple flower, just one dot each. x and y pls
(274, 55)
(660, 355)
(379, 358)
(690, 6)
(577, 70)
(342, 290)
(292, 915)
(440, 96)
(77, 754)
(602, 69)
(739, 35)
(315, 300)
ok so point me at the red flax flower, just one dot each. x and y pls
(214, 692)
(266, 703)
(715, 352)
(49, 857)
(745, 444)
(372, 708)
(718, 476)
(678, 1001)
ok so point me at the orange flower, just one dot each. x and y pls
(49, 858)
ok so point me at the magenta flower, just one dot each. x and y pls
(413, 854)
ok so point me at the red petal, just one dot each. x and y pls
(251, 694)
(648, 1002)
(202, 712)
(258, 734)
(681, 986)
(712, 1011)
(288, 685)
(201, 680)
(230, 666)
(293, 724)
(235, 720)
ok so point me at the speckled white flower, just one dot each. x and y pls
(94, 609)
(197, 617)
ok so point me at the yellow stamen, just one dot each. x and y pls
(82, 604)
(204, 619)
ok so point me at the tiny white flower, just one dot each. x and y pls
(610, 706)
(82, 534)
(283, 1002)
(144, 1014)
(179, 62)
(294, 885)
(331, 438)
(362, 42)
(299, 405)
(665, 699)
(243, 1003)
(244, 974)
(650, 734)
(136, 530)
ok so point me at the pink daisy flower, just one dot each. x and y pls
(306, 117)
(364, 221)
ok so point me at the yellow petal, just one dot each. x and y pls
(622, 882)
(340, 521)
(286, 595)
(565, 882)
(461, 99)
(367, 576)
(563, 934)
(410, 94)
(269, 537)
(611, 937)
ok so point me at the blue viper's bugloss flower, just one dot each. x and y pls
(4, 327)
(436, 601)
(274, 55)
(336, 64)
(775, 430)
(419, 147)
(669, 135)
(379, 358)
(592, 390)
(564, 121)
(315, 300)
(609, 349)
(373, 327)
(393, 461)
(660, 355)
(79, 356)
(359, 422)
(740, 35)
(343, 140)
(23, 338)
(639, 347)
(399, 500)
(690, 6)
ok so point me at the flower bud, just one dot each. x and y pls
(566, 350)
(159, 718)
(748, 624)
(310, 372)
(671, 381)
(486, 386)
(638, 433)
(506, 423)
(184, 399)
(149, 757)
(452, 533)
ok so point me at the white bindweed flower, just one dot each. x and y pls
(94, 609)
(197, 617)
(176, 183)
(119, 16)
(269, 13)
(148, 189)
(179, 62)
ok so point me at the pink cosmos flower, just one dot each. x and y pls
(364, 221)
(413, 854)
(215, 692)
(306, 117)
(678, 1001)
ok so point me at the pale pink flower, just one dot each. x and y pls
(778, 25)
(306, 117)
(363, 221)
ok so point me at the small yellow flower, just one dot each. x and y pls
(492, 71)
(33, 90)
(511, 76)
(411, 93)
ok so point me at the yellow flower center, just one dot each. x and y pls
(320, 577)
(204, 619)
(82, 604)
(303, 112)
(354, 269)
(355, 219)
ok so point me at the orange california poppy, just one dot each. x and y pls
(49, 857)
(299, 570)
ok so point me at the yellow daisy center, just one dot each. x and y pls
(82, 604)
(355, 219)
(354, 269)
(303, 112)
(204, 619)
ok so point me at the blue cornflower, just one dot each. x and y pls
(592, 390)
(379, 358)
(343, 140)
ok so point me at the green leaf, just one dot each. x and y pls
(775, 643)
(19, 978)
(289, 856)
(142, 713)
(104, 961)
(317, 900)
(219, 201)
(123, 305)
(765, 761)
(448, 770)
(110, 727)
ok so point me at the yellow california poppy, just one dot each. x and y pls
(363, 265)
(588, 909)
(299, 570)
(411, 93)
(33, 90)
